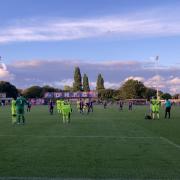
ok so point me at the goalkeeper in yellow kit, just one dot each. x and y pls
(13, 111)
(155, 102)
(66, 112)
(58, 106)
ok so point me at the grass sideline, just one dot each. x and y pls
(106, 144)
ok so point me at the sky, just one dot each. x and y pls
(42, 41)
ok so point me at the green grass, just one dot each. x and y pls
(105, 144)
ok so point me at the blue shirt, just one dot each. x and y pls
(168, 103)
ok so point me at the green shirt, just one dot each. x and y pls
(21, 102)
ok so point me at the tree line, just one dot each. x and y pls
(131, 89)
(80, 85)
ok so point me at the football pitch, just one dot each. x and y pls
(106, 144)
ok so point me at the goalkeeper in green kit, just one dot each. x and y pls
(20, 103)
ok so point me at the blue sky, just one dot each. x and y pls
(15, 13)
(90, 31)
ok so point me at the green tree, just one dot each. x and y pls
(33, 92)
(77, 85)
(133, 89)
(48, 89)
(107, 94)
(100, 83)
(86, 83)
(9, 89)
(149, 93)
(166, 96)
(176, 96)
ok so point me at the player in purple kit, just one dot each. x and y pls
(51, 107)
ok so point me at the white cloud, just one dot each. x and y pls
(3, 66)
(5, 75)
(107, 84)
(60, 73)
(22, 64)
(174, 84)
(112, 85)
(175, 89)
(62, 83)
(138, 78)
(174, 81)
(170, 84)
(156, 81)
(142, 24)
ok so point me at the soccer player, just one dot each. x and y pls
(168, 108)
(66, 112)
(61, 105)
(58, 106)
(78, 105)
(86, 106)
(20, 103)
(130, 105)
(81, 106)
(105, 104)
(29, 106)
(90, 106)
(13, 111)
(51, 107)
(121, 105)
(155, 107)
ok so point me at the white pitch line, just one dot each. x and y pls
(47, 178)
(56, 178)
(41, 178)
(170, 142)
(54, 136)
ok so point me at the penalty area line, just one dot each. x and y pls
(170, 142)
